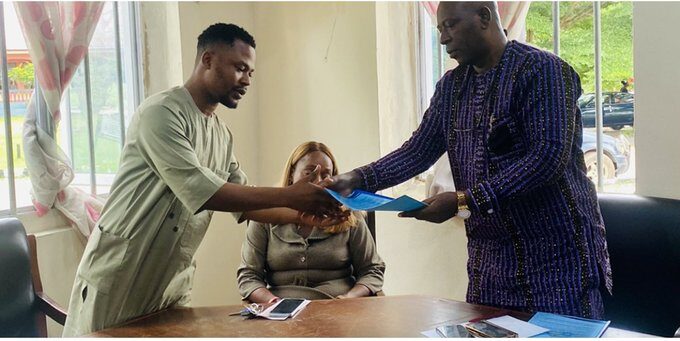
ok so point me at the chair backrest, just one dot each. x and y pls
(18, 304)
(370, 222)
(643, 236)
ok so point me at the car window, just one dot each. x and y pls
(586, 100)
(606, 98)
(621, 97)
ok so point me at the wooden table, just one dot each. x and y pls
(385, 316)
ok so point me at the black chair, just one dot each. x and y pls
(370, 222)
(23, 305)
(643, 235)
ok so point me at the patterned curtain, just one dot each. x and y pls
(514, 18)
(57, 35)
(431, 8)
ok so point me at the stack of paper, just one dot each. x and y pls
(522, 328)
(568, 326)
(504, 326)
(540, 325)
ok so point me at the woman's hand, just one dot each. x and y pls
(262, 296)
(359, 290)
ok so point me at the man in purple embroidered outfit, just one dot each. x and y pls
(509, 119)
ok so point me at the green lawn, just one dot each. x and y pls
(19, 161)
(107, 148)
(628, 132)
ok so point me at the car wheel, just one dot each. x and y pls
(617, 127)
(608, 168)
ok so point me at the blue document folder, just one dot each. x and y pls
(366, 201)
(568, 326)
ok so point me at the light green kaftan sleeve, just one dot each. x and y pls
(236, 176)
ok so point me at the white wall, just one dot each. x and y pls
(161, 39)
(316, 81)
(657, 104)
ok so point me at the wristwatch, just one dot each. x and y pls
(463, 209)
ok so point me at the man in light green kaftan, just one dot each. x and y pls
(177, 166)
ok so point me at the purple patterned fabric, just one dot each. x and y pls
(536, 240)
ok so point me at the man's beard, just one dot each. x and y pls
(229, 103)
(462, 62)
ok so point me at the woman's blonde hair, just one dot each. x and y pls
(287, 178)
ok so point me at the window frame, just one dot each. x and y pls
(44, 120)
(425, 60)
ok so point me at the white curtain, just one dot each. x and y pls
(514, 18)
(57, 35)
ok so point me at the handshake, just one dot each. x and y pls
(315, 205)
(318, 208)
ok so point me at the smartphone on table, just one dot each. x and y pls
(286, 307)
(452, 330)
(487, 329)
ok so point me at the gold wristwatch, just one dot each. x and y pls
(463, 209)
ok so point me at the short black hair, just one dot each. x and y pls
(223, 33)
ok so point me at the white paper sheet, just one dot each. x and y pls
(523, 329)
(431, 333)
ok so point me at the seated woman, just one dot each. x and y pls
(306, 261)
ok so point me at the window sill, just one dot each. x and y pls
(51, 222)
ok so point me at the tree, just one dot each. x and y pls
(577, 45)
(22, 74)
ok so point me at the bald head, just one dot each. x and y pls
(473, 8)
(470, 30)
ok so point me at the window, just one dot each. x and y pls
(605, 65)
(431, 58)
(95, 108)
(621, 97)
(596, 39)
(432, 62)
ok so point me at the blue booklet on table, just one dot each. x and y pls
(568, 326)
(366, 201)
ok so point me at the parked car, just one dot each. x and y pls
(615, 155)
(617, 109)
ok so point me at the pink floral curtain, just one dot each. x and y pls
(431, 8)
(514, 18)
(57, 35)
